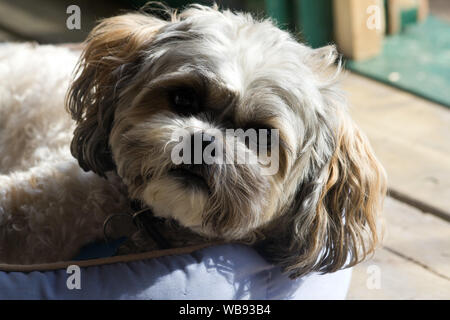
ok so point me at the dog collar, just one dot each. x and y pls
(144, 219)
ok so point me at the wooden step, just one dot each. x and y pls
(414, 262)
(411, 137)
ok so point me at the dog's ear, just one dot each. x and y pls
(351, 199)
(332, 221)
(108, 61)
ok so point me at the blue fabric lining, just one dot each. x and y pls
(230, 271)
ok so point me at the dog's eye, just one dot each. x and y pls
(264, 138)
(185, 101)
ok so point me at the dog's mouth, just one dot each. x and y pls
(191, 176)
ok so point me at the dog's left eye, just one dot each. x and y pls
(185, 101)
(264, 138)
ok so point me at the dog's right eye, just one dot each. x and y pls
(185, 101)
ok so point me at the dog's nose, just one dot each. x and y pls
(199, 142)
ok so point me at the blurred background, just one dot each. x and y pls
(397, 56)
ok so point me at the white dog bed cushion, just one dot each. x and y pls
(228, 271)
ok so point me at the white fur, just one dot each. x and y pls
(49, 207)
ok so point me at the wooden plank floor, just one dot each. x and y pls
(414, 262)
(411, 137)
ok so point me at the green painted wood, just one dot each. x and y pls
(314, 20)
(407, 17)
(279, 10)
(416, 60)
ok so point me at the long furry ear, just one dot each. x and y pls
(333, 218)
(333, 222)
(351, 200)
(109, 60)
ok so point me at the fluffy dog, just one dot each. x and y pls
(141, 78)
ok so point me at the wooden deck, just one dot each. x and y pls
(411, 137)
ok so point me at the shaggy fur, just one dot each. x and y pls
(317, 213)
(49, 208)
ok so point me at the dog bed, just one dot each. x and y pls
(220, 271)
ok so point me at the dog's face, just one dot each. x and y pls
(143, 80)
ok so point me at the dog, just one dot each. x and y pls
(139, 79)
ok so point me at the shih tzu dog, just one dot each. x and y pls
(142, 79)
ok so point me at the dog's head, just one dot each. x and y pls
(143, 80)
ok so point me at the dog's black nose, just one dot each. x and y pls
(199, 141)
